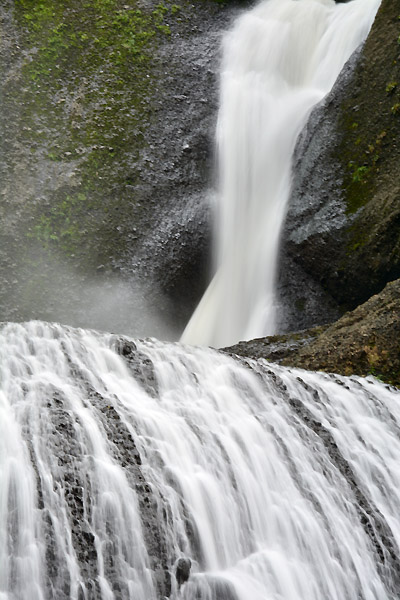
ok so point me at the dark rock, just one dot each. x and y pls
(139, 364)
(315, 214)
(182, 571)
(302, 301)
(125, 348)
(277, 347)
(343, 222)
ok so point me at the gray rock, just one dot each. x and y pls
(182, 570)
(343, 221)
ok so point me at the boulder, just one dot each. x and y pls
(182, 571)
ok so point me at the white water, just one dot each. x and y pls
(281, 58)
(278, 484)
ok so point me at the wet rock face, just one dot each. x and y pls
(178, 255)
(74, 477)
(316, 217)
(303, 303)
(106, 157)
(175, 252)
(139, 364)
(343, 223)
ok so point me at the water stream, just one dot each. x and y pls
(117, 458)
(281, 58)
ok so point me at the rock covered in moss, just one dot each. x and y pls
(107, 128)
(343, 224)
(365, 341)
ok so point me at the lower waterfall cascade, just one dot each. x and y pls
(281, 58)
(118, 458)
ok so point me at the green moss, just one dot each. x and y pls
(364, 155)
(65, 33)
(395, 110)
(368, 132)
(381, 365)
(87, 85)
(360, 173)
(391, 87)
(62, 226)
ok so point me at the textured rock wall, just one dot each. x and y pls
(107, 126)
(343, 223)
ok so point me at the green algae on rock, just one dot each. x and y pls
(365, 341)
(85, 85)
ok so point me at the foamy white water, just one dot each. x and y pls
(280, 59)
(117, 458)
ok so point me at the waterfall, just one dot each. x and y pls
(118, 458)
(280, 59)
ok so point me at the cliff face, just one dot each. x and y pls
(343, 224)
(107, 127)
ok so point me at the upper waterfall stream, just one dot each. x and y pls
(281, 58)
(118, 458)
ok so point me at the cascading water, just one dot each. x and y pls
(281, 58)
(118, 458)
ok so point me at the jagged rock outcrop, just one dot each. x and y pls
(343, 223)
(365, 341)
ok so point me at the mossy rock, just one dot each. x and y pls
(107, 121)
(343, 223)
(364, 342)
